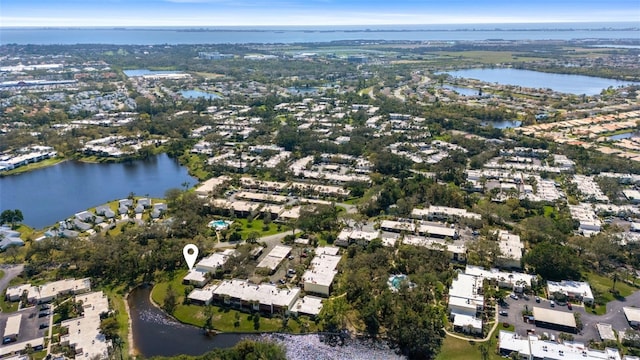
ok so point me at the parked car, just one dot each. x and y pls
(552, 303)
(569, 306)
(537, 299)
(43, 313)
(513, 296)
(44, 326)
(503, 313)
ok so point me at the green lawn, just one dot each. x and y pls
(603, 285)
(256, 225)
(116, 302)
(456, 349)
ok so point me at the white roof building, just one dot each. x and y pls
(573, 289)
(266, 295)
(531, 347)
(322, 271)
(514, 280)
(632, 314)
(511, 248)
(274, 257)
(84, 334)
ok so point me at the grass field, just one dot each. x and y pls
(257, 226)
(456, 349)
(603, 285)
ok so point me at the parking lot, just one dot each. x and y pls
(614, 316)
(29, 325)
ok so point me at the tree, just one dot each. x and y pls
(11, 217)
(553, 261)
(170, 300)
(109, 328)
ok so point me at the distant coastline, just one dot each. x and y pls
(155, 35)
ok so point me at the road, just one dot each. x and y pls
(10, 272)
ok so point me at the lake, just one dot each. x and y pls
(622, 136)
(141, 72)
(194, 94)
(564, 83)
(462, 90)
(506, 124)
(51, 194)
(307, 34)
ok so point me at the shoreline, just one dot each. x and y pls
(133, 351)
(34, 166)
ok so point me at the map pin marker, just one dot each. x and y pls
(190, 253)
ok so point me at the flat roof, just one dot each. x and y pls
(13, 325)
(555, 317)
(632, 313)
(201, 294)
(310, 305)
(606, 331)
(274, 257)
(266, 294)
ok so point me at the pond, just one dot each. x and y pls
(462, 90)
(622, 136)
(156, 334)
(55, 193)
(194, 94)
(302, 90)
(564, 83)
(506, 124)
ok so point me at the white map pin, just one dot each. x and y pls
(190, 253)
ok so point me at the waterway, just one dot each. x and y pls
(51, 194)
(564, 83)
(156, 334)
(307, 34)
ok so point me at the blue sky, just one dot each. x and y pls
(309, 12)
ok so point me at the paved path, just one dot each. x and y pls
(270, 240)
(487, 338)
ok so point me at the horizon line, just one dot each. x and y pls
(637, 25)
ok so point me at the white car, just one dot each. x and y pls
(513, 296)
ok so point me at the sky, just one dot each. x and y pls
(213, 13)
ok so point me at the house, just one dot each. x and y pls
(9, 238)
(158, 210)
(48, 291)
(80, 225)
(146, 203)
(105, 211)
(85, 216)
